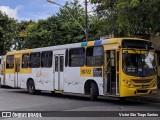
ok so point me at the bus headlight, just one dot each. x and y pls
(128, 83)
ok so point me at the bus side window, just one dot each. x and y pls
(10, 62)
(61, 63)
(94, 56)
(56, 63)
(76, 57)
(25, 60)
(46, 59)
(35, 60)
(66, 58)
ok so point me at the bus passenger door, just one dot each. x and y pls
(59, 68)
(111, 82)
(17, 71)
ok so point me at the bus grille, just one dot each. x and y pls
(142, 91)
(145, 86)
(142, 81)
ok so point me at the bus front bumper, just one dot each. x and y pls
(126, 92)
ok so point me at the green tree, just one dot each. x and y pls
(71, 17)
(8, 33)
(58, 29)
(130, 17)
(67, 26)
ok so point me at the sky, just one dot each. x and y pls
(31, 9)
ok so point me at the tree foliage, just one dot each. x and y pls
(8, 32)
(67, 26)
(130, 17)
(58, 29)
(119, 17)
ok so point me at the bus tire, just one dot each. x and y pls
(93, 91)
(31, 87)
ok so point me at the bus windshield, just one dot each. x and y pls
(141, 65)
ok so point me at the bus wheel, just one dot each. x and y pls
(93, 91)
(31, 87)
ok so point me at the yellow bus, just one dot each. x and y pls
(117, 67)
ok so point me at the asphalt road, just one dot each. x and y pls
(20, 100)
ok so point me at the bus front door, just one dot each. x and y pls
(17, 71)
(59, 68)
(111, 82)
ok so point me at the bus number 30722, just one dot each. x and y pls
(87, 71)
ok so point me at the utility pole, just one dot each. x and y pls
(86, 20)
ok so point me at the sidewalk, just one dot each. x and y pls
(150, 98)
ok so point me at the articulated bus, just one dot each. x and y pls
(116, 67)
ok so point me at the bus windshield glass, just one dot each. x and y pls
(141, 65)
(140, 44)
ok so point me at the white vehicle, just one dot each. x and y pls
(108, 67)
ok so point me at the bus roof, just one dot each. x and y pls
(76, 45)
